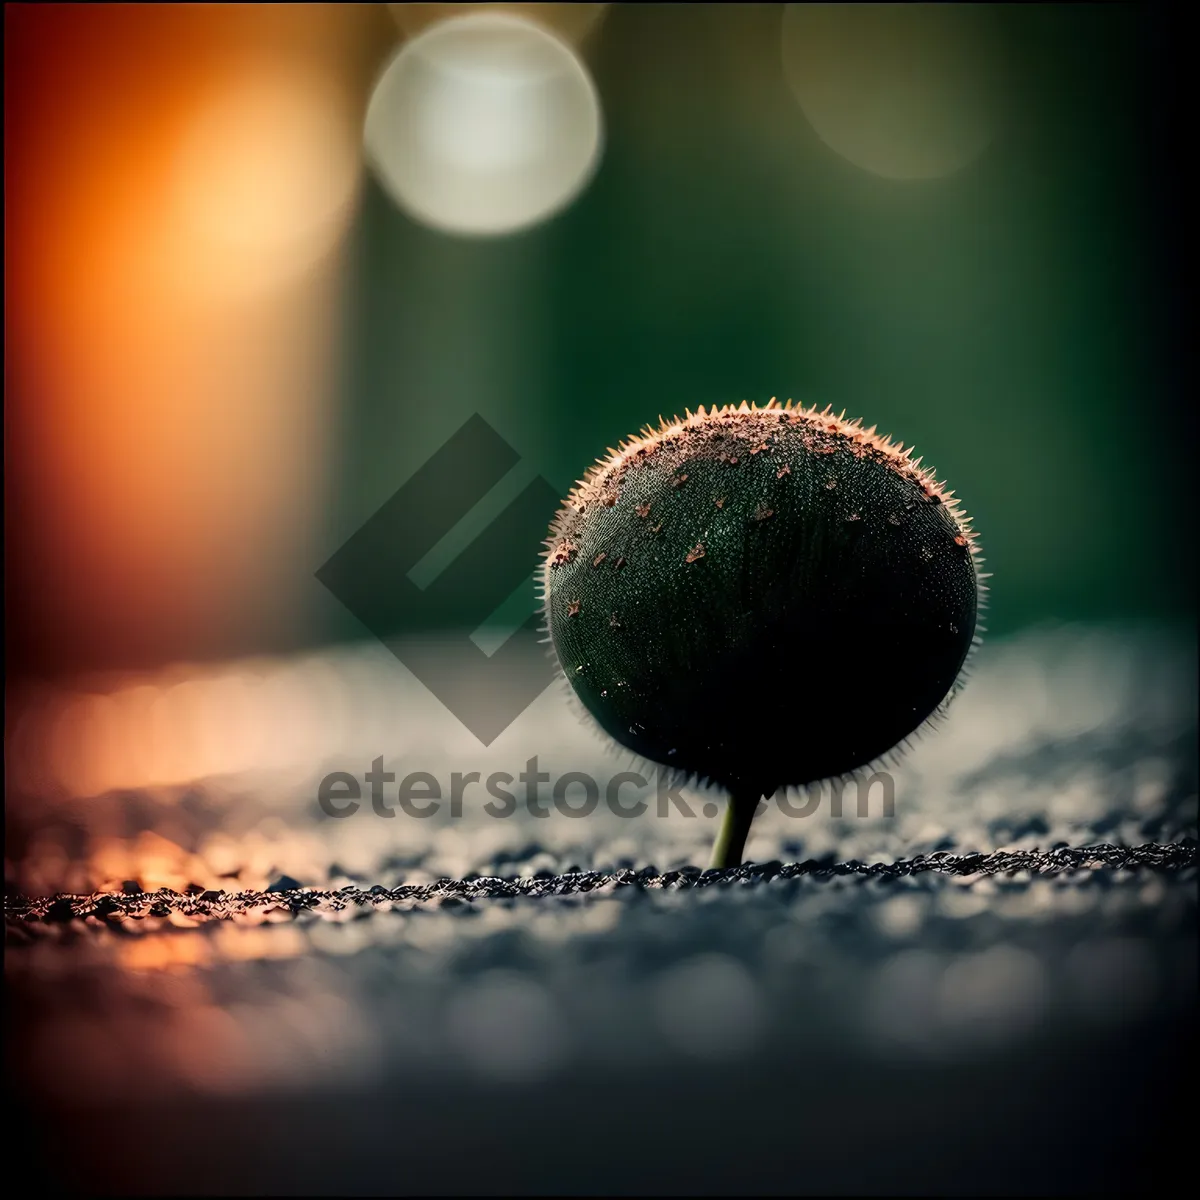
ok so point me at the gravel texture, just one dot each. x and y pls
(215, 986)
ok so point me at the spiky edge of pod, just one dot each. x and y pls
(594, 488)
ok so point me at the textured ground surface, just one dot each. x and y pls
(992, 990)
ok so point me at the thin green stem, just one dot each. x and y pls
(731, 840)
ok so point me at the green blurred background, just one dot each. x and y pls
(1011, 320)
(228, 347)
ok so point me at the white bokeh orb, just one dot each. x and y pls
(905, 91)
(483, 124)
(575, 22)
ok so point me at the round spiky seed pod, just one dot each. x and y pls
(761, 598)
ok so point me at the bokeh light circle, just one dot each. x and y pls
(575, 22)
(483, 125)
(905, 91)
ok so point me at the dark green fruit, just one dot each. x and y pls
(761, 598)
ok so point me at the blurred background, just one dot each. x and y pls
(228, 345)
(262, 261)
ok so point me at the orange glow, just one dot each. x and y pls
(179, 180)
(166, 951)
